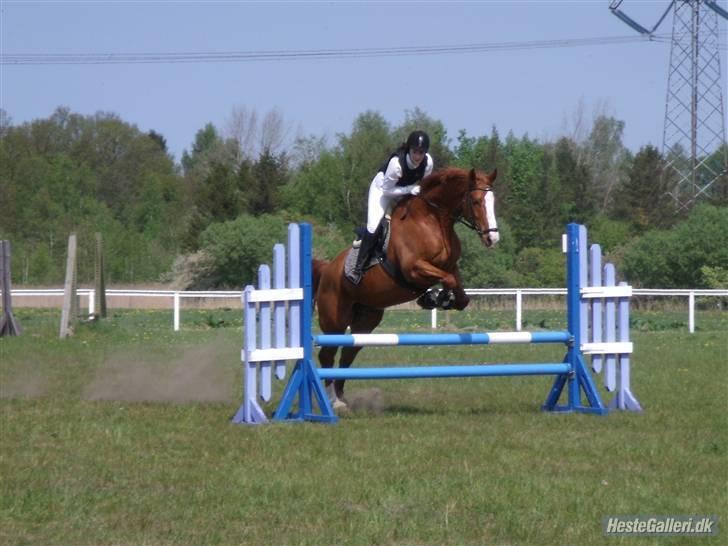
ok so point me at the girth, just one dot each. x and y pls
(397, 276)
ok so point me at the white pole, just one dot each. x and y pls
(691, 312)
(519, 310)
(433, 319)
(176, 311)
(91, 302)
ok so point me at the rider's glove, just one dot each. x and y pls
(415, 190)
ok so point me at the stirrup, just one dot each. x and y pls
(357, 271)
(355, 276)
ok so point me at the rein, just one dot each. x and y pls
(460, 218)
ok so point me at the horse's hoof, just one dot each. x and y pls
(460, 305)
(428, 300)
(340, 405)
(446, 299)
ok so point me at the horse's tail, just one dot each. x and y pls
(318, 267)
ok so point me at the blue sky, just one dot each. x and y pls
(535, 91)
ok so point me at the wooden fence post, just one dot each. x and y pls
(69, 312)
(8, 325)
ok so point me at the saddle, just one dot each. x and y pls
(428, 299)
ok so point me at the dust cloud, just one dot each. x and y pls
(365, 400)
(200, 374)
(32, 385)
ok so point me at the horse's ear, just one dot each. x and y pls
(472, 175)
(493, 175)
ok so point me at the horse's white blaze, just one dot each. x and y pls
(490, 215)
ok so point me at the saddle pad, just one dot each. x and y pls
(351, 257)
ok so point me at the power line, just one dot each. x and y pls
(313, 54)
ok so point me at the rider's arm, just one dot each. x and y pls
(430, 165)
(391, 177)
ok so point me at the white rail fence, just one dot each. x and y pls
(175, 298)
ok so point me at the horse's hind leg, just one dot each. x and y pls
(327, 356)
(365, 319)
(335, 314)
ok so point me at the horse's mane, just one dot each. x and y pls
(452, 178)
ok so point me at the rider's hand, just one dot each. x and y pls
(415, 190)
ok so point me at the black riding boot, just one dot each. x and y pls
(368, 241)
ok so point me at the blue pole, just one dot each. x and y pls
(424, 372)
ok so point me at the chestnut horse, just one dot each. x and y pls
(425, 248)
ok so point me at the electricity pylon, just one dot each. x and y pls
(694, 136)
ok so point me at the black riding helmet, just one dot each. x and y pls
(418, 140)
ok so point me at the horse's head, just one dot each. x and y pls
(479, 206)
(467, 196)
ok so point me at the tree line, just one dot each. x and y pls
(210, 219)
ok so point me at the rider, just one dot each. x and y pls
(398, 176)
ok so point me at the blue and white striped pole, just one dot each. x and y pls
(487, 338)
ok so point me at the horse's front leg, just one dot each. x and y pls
(426, 273)
(461, 298)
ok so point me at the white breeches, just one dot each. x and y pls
(378, 204)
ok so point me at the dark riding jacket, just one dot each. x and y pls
(409, 176)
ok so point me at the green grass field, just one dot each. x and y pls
(121, 435)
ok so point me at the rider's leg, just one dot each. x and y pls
(368, 242)
(377, 204)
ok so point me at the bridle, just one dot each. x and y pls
(470, 222)
(460, 218)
